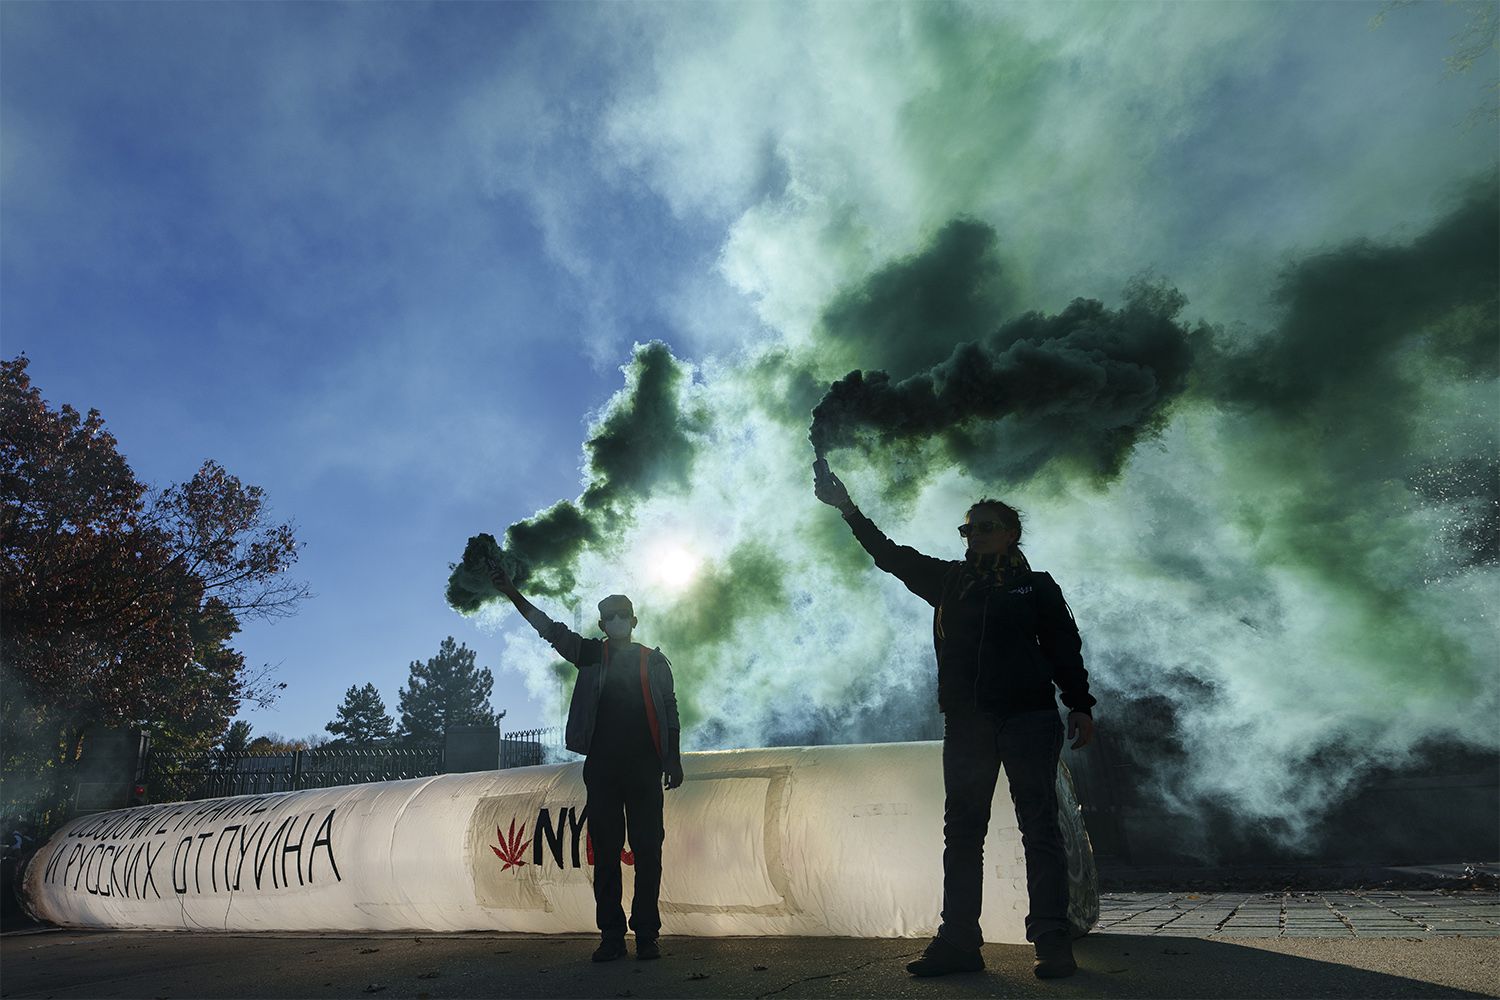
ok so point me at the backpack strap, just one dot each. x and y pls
(650, 706)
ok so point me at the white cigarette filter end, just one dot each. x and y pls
(837, 840)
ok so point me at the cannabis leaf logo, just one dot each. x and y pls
(511, 849)
(628, 857)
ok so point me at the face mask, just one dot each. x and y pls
(617, 628)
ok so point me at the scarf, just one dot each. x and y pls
(998, 569)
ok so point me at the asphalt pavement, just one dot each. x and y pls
(1381, 943)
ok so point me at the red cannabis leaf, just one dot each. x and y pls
(626, 856)
(511, 849)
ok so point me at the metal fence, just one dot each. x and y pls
(529, 747)
(218, 775)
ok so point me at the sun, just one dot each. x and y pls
(673, 566)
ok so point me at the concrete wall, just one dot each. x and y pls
(792, 841)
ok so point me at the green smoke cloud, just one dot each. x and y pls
(748, 586)
(1249, 490)
(1277, 532)
(1384, 490)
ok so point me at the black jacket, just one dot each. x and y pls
(1000, 648)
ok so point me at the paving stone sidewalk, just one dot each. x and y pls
(1365, 914)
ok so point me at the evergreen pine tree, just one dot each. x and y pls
(447, 690)
(362, 717)
(237, 738)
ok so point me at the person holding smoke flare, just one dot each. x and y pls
(1004, 636)
(623, 719)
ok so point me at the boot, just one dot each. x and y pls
(610, 949)
(941, 958)
(1054, 956)
(646, 948)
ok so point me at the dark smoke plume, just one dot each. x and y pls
(646, 440)
(1341, 393)
(912, 313)
(1349, 310)
(1081, 387)
(469, 585)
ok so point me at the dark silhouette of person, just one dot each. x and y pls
(623, 719)
(1004, 636)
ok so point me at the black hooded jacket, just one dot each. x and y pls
(999, 648)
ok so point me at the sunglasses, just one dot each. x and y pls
(979, 528)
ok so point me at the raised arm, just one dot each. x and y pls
(922, 574)
(569, 644)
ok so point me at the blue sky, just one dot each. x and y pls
(386, 260)
(268, 235)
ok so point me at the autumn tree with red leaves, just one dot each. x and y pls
(119, 602)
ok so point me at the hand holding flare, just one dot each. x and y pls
(829, 488)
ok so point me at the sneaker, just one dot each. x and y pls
(1054, 956)
(941, 958)
(646, 948)
(610, 949)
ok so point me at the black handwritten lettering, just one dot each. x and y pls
(115, 854)
(214, 867)
(191, 818)
(287, 848)
(142, 824)
(577, 820)
(101, 881)
(554, 837)
(150, 878)
(326, 842)
(72, 857)
(132, 862)
(245, 836)
(260, 857)
(198, 861)
(183, 850)
(52, 863)
(165, 820)
(91, 879)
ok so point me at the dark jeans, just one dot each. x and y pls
(975, 746)
(621, 798)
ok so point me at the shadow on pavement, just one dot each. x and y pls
(179, 965)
